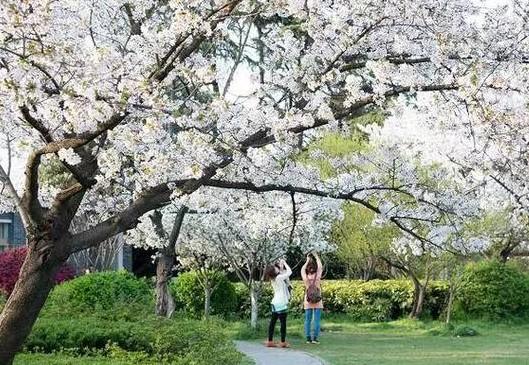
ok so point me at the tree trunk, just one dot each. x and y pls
(420, 301)
(418, 298)
(165, 304)
(207, 299)
(254, 300)
(451, 296)
(25, 302)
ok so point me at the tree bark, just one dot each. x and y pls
(27, 299)
(418, 298)
(207, 299)
(165, 304)
(451, 296)
(255, 292)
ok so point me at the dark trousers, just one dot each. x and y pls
(271, 328)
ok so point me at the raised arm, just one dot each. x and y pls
(286, 274)
(304, 269)
(319, 271)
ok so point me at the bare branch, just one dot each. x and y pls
(6, 179)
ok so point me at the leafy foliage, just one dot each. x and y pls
(103, 290)
(163, 342)
(359, 242)
(374, 300)
(189, 294)
(494, 290)
(10, 264)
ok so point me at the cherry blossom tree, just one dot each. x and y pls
(253, 231)
(199, 255)
(136, 101)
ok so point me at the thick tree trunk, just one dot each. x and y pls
(165, 304)
(254, 300)
(207, 299)
(23, 306)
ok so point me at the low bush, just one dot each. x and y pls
(82, 335)
(164, 342)
(464, 331)
(195, 342)
(101, 292)
(10, 263)
(189, 295)
(493, 290)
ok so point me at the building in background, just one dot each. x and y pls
(114, 254)
(12, 232)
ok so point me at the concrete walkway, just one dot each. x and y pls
(276, 356)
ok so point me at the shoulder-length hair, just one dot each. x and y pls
(270, 272)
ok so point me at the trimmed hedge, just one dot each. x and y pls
(189, 295)
(374, 300)
(493, 290)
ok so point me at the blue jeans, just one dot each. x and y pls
(312, 315)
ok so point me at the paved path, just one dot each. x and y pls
(276, 356)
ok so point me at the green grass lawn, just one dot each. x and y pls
(410, 342)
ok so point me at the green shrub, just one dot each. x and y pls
(100, 292)
(374, 300)
(164, 342)
(189, 294)
(82, 335)
(493, 290)
(244, 304)
(464, 331)
(193, 342)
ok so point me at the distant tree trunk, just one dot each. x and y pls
(165, 305)
(451, 295)
(255, 293)
(27, 299)
(207, 298)
(369, 269)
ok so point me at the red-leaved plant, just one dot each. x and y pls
(10, 264)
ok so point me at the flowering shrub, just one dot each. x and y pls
(10, 264)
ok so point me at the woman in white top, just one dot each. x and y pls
(278, 275)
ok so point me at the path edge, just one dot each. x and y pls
(316, 357)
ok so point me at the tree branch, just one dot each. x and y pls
(264, 136)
